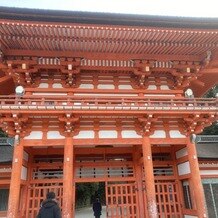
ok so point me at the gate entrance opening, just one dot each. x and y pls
(86, 194)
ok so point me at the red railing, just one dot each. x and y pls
(106, 103)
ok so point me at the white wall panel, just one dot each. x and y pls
(86, 86)
(107, 134)
(125, 87)
(34, 135)
(106, 86)
(181, 153)
(159, 134)
(24, 173)
(164, 87)
(189, 216)
(130, 134)
(184, 168)
(209, 172)
(54, 135)
(43, 85)
(176, 134)
(57, 85)
(152, 87)
(85, 135)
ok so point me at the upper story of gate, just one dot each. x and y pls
(96, 64)
(126, 53)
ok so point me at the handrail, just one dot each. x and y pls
(118, 98)
(123, 102)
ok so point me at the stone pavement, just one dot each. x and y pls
(88, 213)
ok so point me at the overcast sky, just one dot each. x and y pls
(190, 8)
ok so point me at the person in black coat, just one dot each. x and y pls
(49, 207)
(97, 208)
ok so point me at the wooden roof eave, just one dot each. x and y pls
(113, 19)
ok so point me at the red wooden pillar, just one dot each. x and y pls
(196, 180)
(14, 194)
(68, 178)
(149, 178)
(139, 178)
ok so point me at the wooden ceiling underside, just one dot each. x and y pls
(23, 36)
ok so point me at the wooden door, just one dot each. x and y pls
(37, 193)
(121, 200)
(167, 198)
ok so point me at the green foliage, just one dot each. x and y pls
(84, 192)
(2, 134)
(213, 129)
(212, 92)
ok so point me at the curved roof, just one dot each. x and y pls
(107, 18)
(52, 33)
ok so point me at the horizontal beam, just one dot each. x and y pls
(104, 164)
(104, 179)
(101, 56)
(4, 182)
(44, 143)
(109, 113)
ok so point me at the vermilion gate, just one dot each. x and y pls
(121, 200)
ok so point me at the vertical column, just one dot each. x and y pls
(14, 193)
(196, 180)
(149, 178)
(68, 178)
(138, 174)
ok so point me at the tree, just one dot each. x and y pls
(213, 129)
(2, 133)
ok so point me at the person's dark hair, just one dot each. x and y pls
(50, 195)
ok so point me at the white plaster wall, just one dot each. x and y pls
(24, 173)
(54, 135)
(159, 134)
(106, 86)
(184, 168)
(152, 87)
(130, 134)
(176, 134)
(150, 95)
(181, 153)
(107, 134)
(125, 87)
(209, 172)
(188, 216)
(86, 86)
(57, 85)
(25, 156)
(164, 87)
(34, 135)
(85, 135)
(43, 85)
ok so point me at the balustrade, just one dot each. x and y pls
(105, 103)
